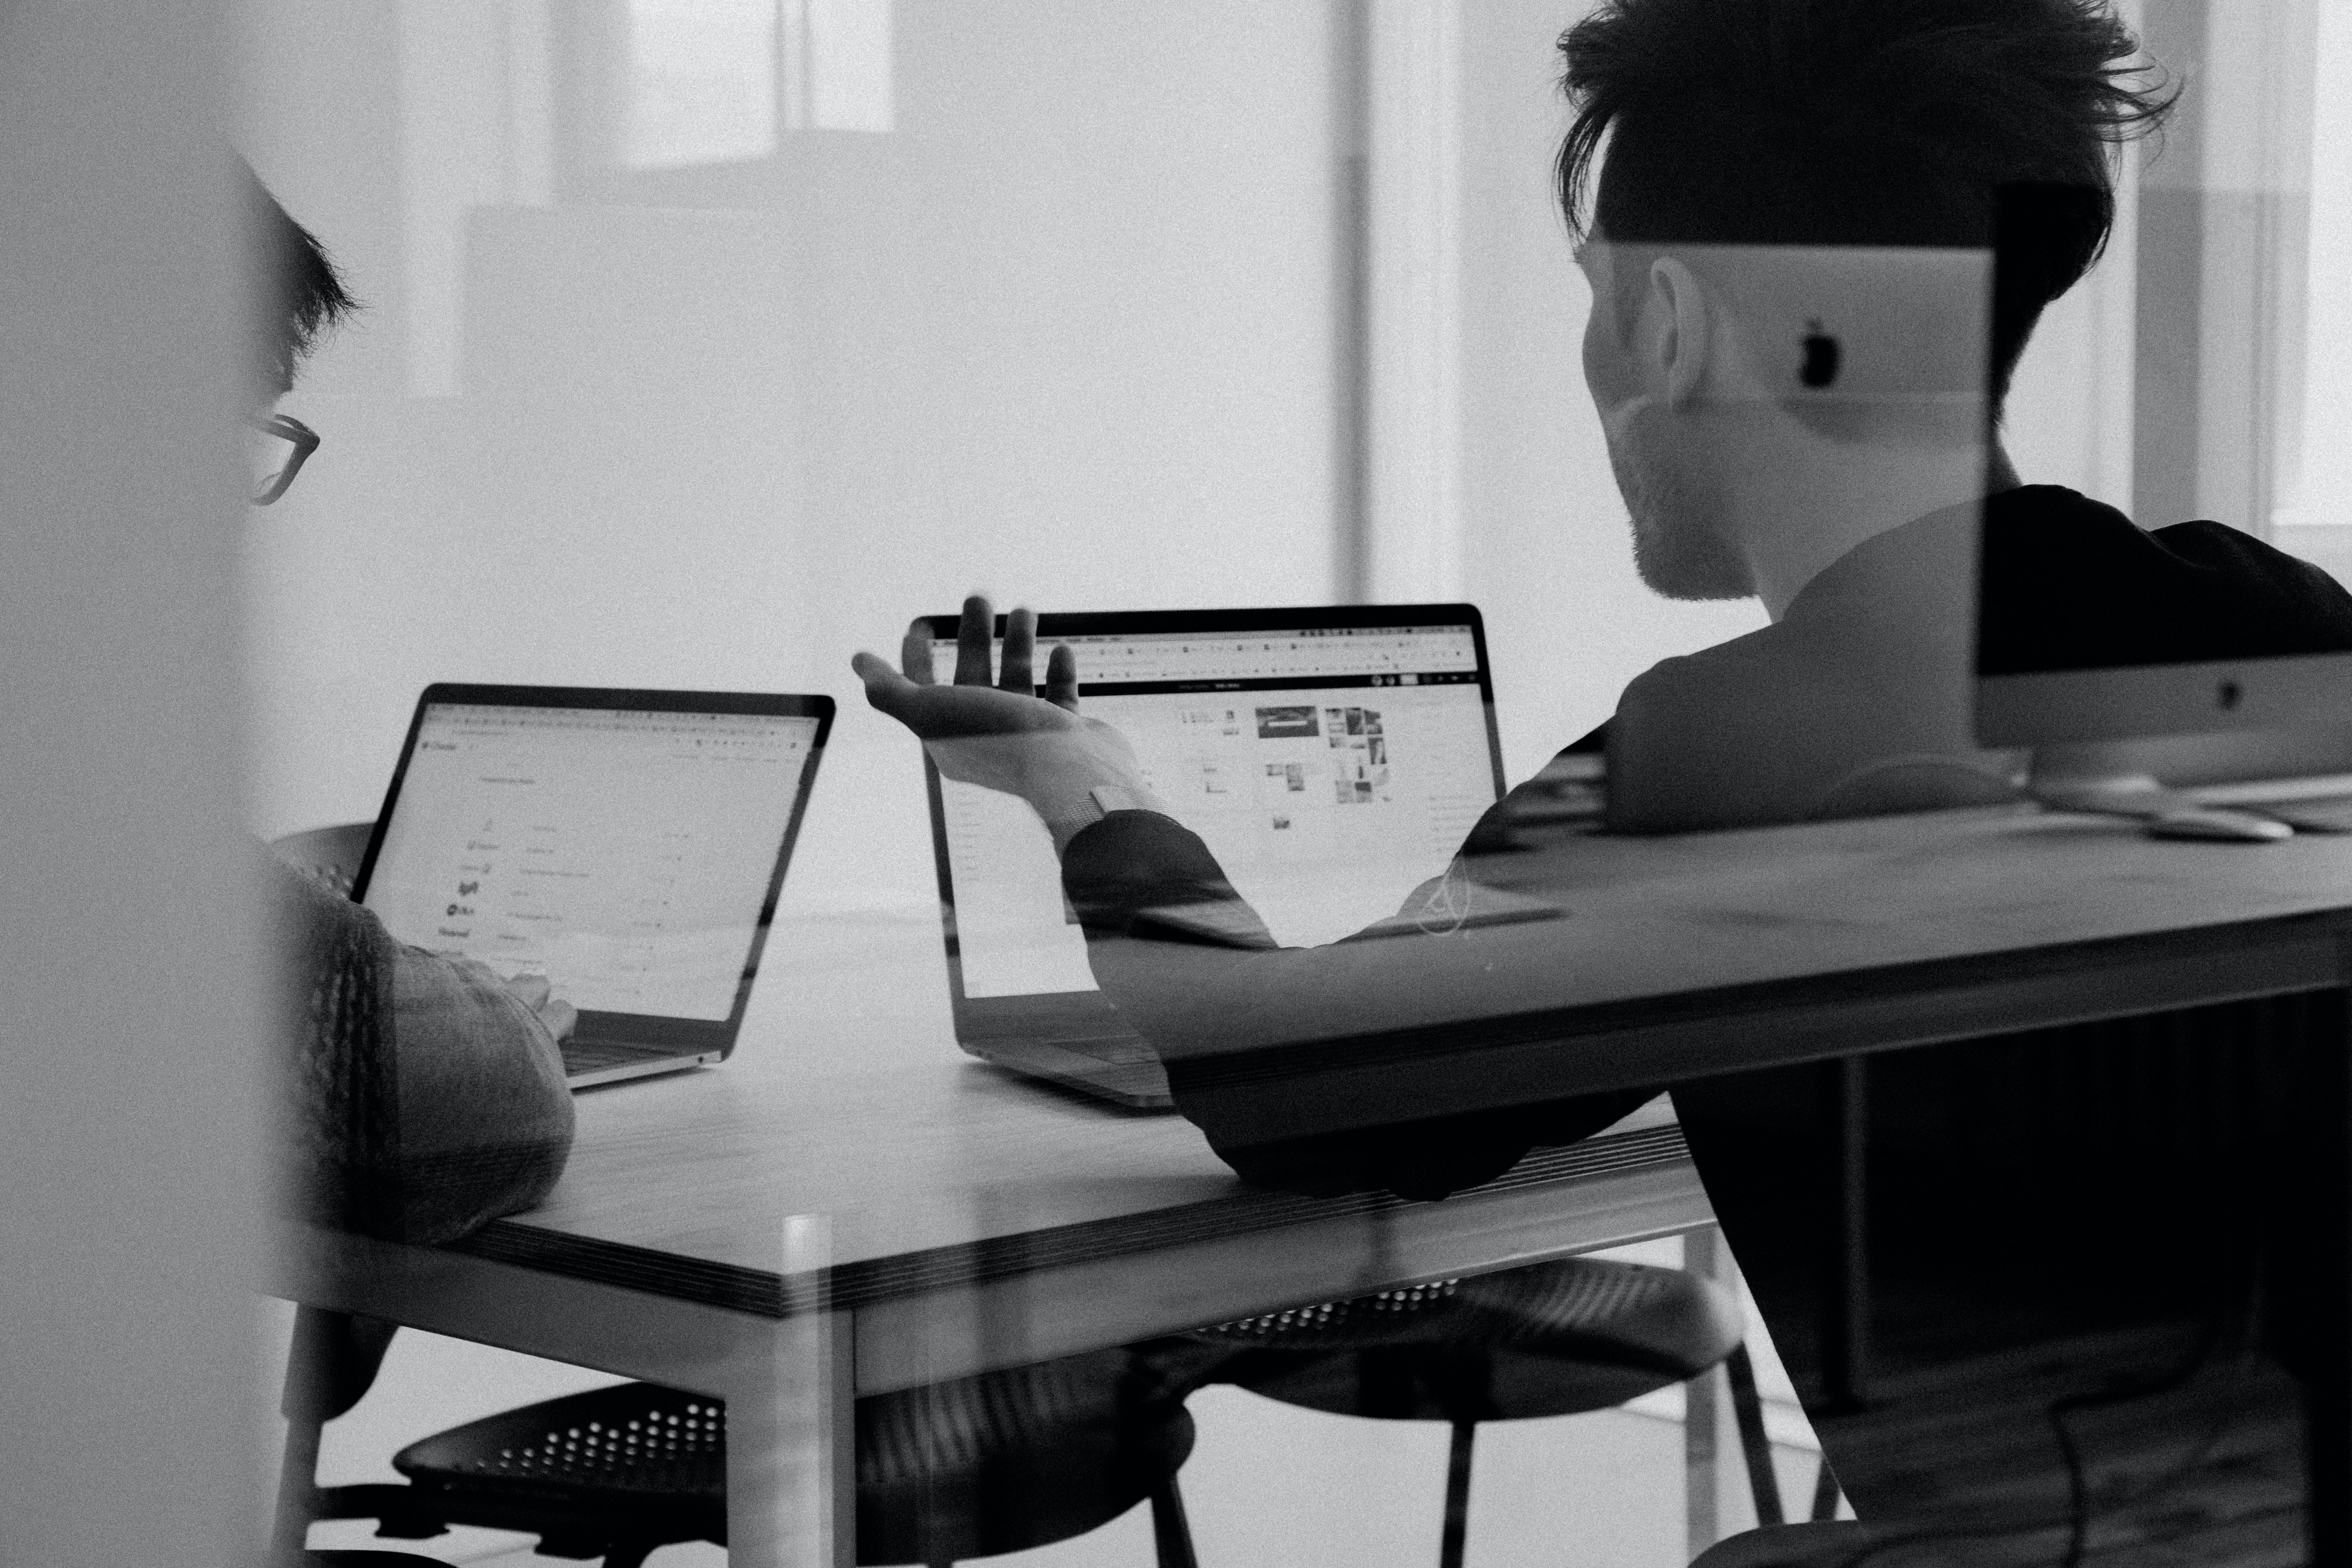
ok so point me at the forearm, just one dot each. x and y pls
(421, 1097)
(1071, 778)
(486, 1116)
(1206, 989)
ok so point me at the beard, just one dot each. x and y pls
(1681, 550)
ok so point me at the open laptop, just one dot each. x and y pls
(1333, 758)
(628, 846)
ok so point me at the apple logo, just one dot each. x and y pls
(1820, 366)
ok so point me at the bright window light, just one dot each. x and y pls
(701, 82)
(2324, 494)
(849, 65)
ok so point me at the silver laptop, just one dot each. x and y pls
(1333, 758)
(628, 846)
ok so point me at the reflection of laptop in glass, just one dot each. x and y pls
(627, 845)
(1332, 758)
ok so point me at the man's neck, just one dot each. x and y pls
(1798, 534)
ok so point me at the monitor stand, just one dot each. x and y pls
(2112, 780)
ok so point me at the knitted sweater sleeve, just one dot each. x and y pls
(419, 1099)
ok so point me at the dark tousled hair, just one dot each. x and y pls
(1865, 123)
(299, 293)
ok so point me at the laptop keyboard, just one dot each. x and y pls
(1118, 1053)
(595, 1056)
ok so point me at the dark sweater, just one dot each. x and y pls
(2074, 584)
(420, 1097)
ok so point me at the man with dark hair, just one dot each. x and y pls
(422, 1096)
(1736, 134)
(1731, 125)
(1861, 122)
(1736, 141)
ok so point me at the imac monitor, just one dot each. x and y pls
(2198, 656)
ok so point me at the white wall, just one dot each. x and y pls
(1065, 332)
(127, 1208)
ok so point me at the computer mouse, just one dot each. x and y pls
(2212, 825)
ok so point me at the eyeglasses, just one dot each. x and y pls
(279, 445)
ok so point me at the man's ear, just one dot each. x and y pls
(1685, 345)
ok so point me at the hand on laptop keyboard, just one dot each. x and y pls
(534, 993)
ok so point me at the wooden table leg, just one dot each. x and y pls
(791, 1451)
(791, 1432)
(1702, 1417)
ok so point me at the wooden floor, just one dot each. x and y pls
(2195, 1469)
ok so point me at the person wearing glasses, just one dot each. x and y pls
(279, 445)
(422, 1096)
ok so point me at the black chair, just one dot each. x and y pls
(1821, 1543)
(1556, 1339)
(330, 855)
(976, 1467)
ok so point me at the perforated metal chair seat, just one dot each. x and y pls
(1555, 1339)
(973, 1468)
(633, 1467)
(982, 1466)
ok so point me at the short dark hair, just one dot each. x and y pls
(299, 293)
(1866, 123)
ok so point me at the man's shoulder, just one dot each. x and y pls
(1731, 672)
(2070, 583)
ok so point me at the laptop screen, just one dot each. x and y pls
(629, 856)
(1330, 769)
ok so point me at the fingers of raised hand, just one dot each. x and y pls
(975, 640)
(560, 1017)
(885, 688)
(1019, 672)
(915, 652)
(531, 989)
(1061, 679)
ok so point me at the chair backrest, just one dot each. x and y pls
(330, 855)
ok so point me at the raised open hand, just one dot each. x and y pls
(979, 702)
(992, 728)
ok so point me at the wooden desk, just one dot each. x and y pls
(849, 1206)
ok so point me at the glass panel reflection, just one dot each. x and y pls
(1838, 511)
